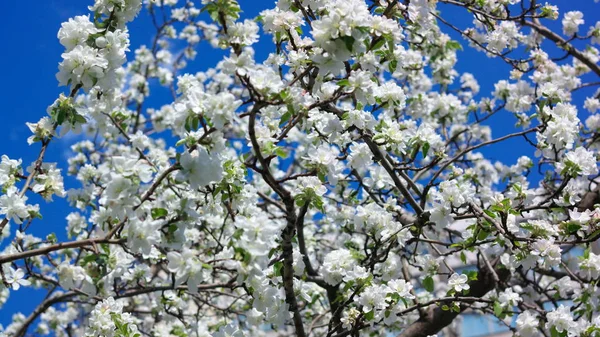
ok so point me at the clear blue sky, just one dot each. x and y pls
(31, 52)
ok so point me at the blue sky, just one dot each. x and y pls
(32, 52)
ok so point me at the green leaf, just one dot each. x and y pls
(393, 65)
(61, 115)
(586, 253)
(51, 238)
(378, 44)
(80, 119)
(482, 235)
(284, 94)
(88, 259)
(343, 83)
(195, 123)
(453, 45)
(490, 213)
(415, 152)
(158, 213)
(349, 42)
(425, 149)
(572, 228)
(428, 284)
(277, 268)
(272, 252)
(284, 118)
(348, 285)
(280, 152)
(188, 125)
(318, 202)
(238, 234)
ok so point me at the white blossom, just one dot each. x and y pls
(200, 168)
(459, 282)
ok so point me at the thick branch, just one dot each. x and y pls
(41, 309)
(56, 247)
(562, 43)
(288, 232)
(435, 319)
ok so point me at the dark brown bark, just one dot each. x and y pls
(436, 319)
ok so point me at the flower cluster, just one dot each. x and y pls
(108, 320)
